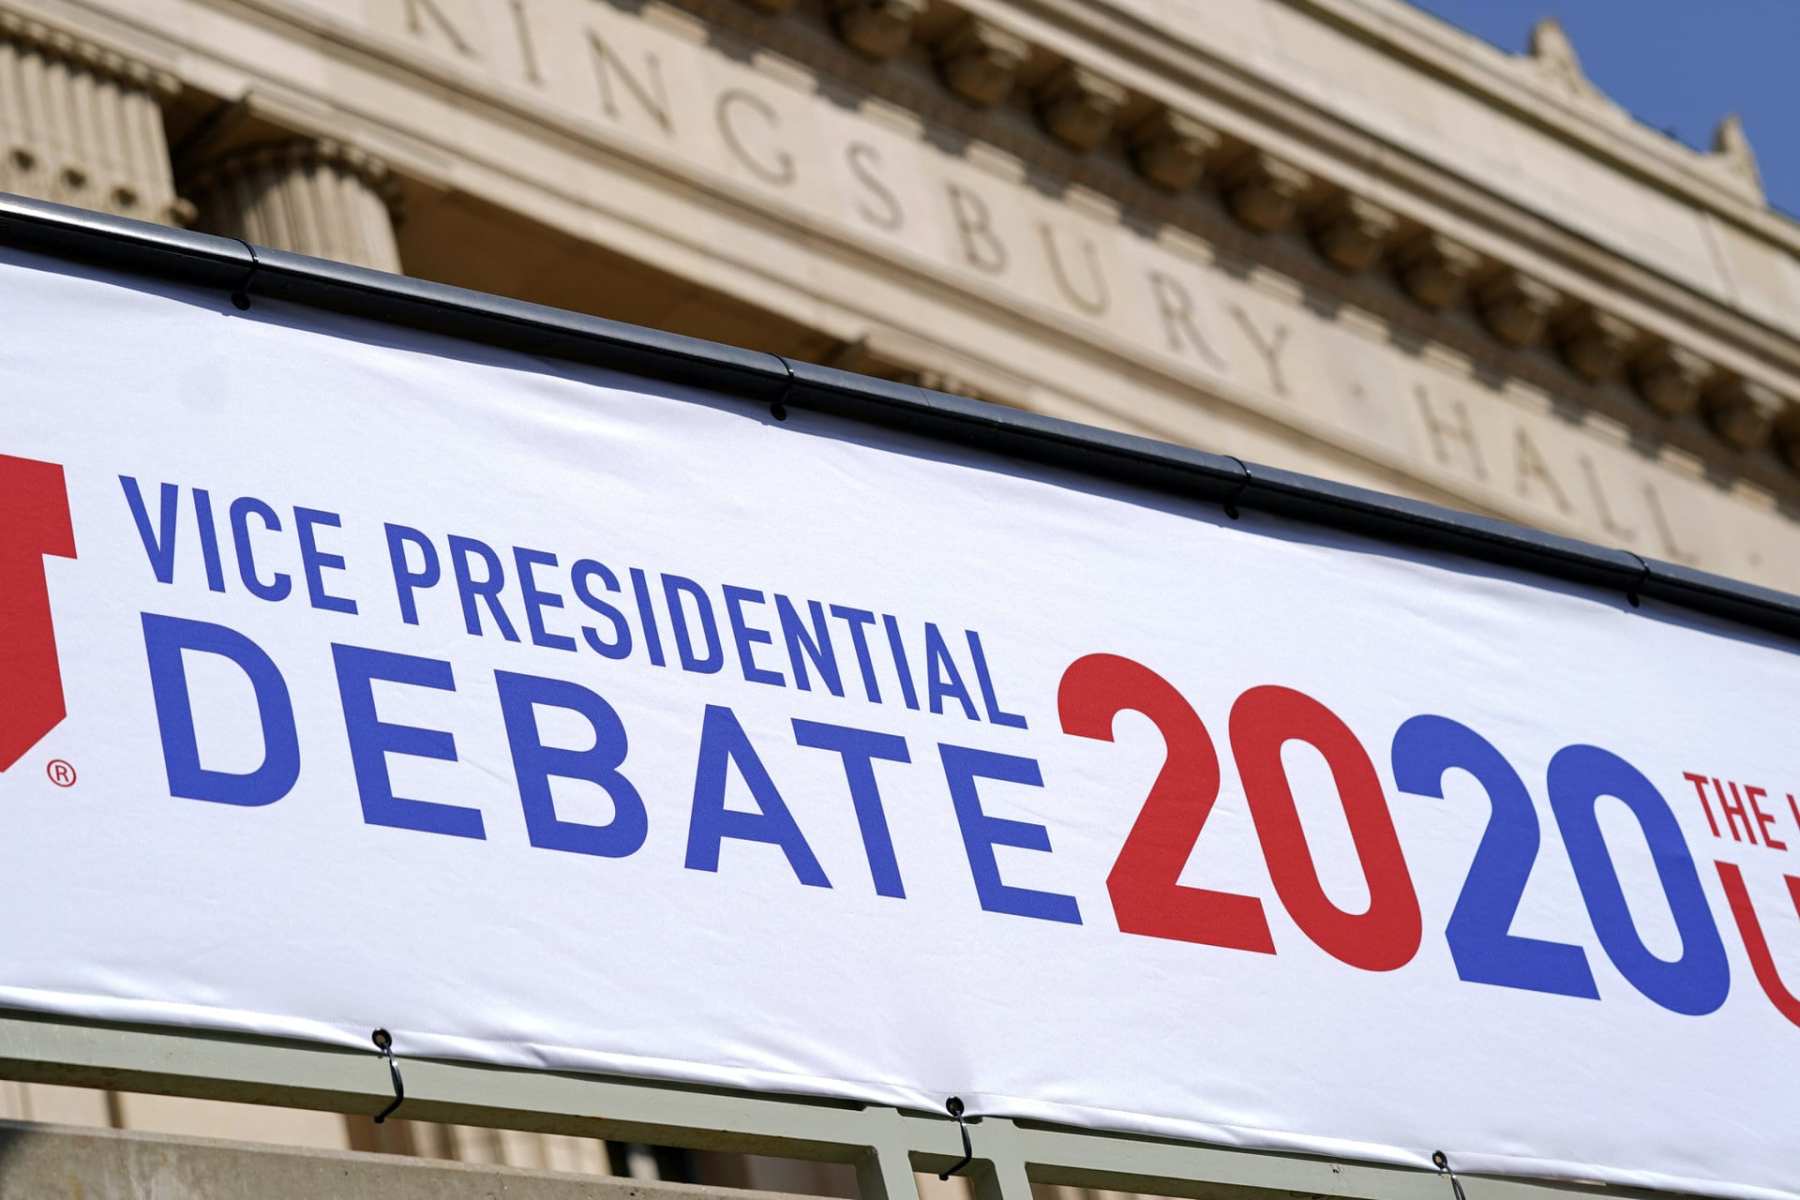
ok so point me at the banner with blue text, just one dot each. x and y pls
(352, 677)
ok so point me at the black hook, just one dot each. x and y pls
(1231, 508)
(1637, 585)
(1441, 1161)
(954, 1106)
(778, 409)
(240, 296)
(384, 1042)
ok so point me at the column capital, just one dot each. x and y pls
(82, 124)
(98, 59)
(304, 153)
(316, 196)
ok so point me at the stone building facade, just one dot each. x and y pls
(1337, 236)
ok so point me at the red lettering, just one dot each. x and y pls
(1763, 819)
(1735, 814)
(1146, 899)
(1700, 782)
(1761, 961)
(1384, 937)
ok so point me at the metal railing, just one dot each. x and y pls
(885, 1145)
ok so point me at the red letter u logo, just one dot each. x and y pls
(34, 522)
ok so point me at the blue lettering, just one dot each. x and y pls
(209, 540)
(859, 748)
(159, 547)
(406, 579)
(462, 550)
(675, 587)
(745, 638)
(315, 562)
(534, 764)
(372, 740)
(537, 600)
(941, 676)
(723, 742)
(981, 833)
(620, 644)
(907, 693)
(816, 645)
(1696, 982)
(165, 640)
(640, 587)
(242, 509)
(858, 619)
(989, 699)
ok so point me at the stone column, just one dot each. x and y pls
(314, 197)
(82, 125)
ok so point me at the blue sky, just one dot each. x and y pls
(1678, 65)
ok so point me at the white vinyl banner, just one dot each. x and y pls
(351, 677)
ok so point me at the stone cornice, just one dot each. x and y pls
(1593, 125)
(1250, 100)
(1634, 148)
(1574, 318)
(1601, 311)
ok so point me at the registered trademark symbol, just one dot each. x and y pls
(61, 772)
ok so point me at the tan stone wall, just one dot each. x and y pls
(1576, 158)
(901, 217)
(705, 151)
